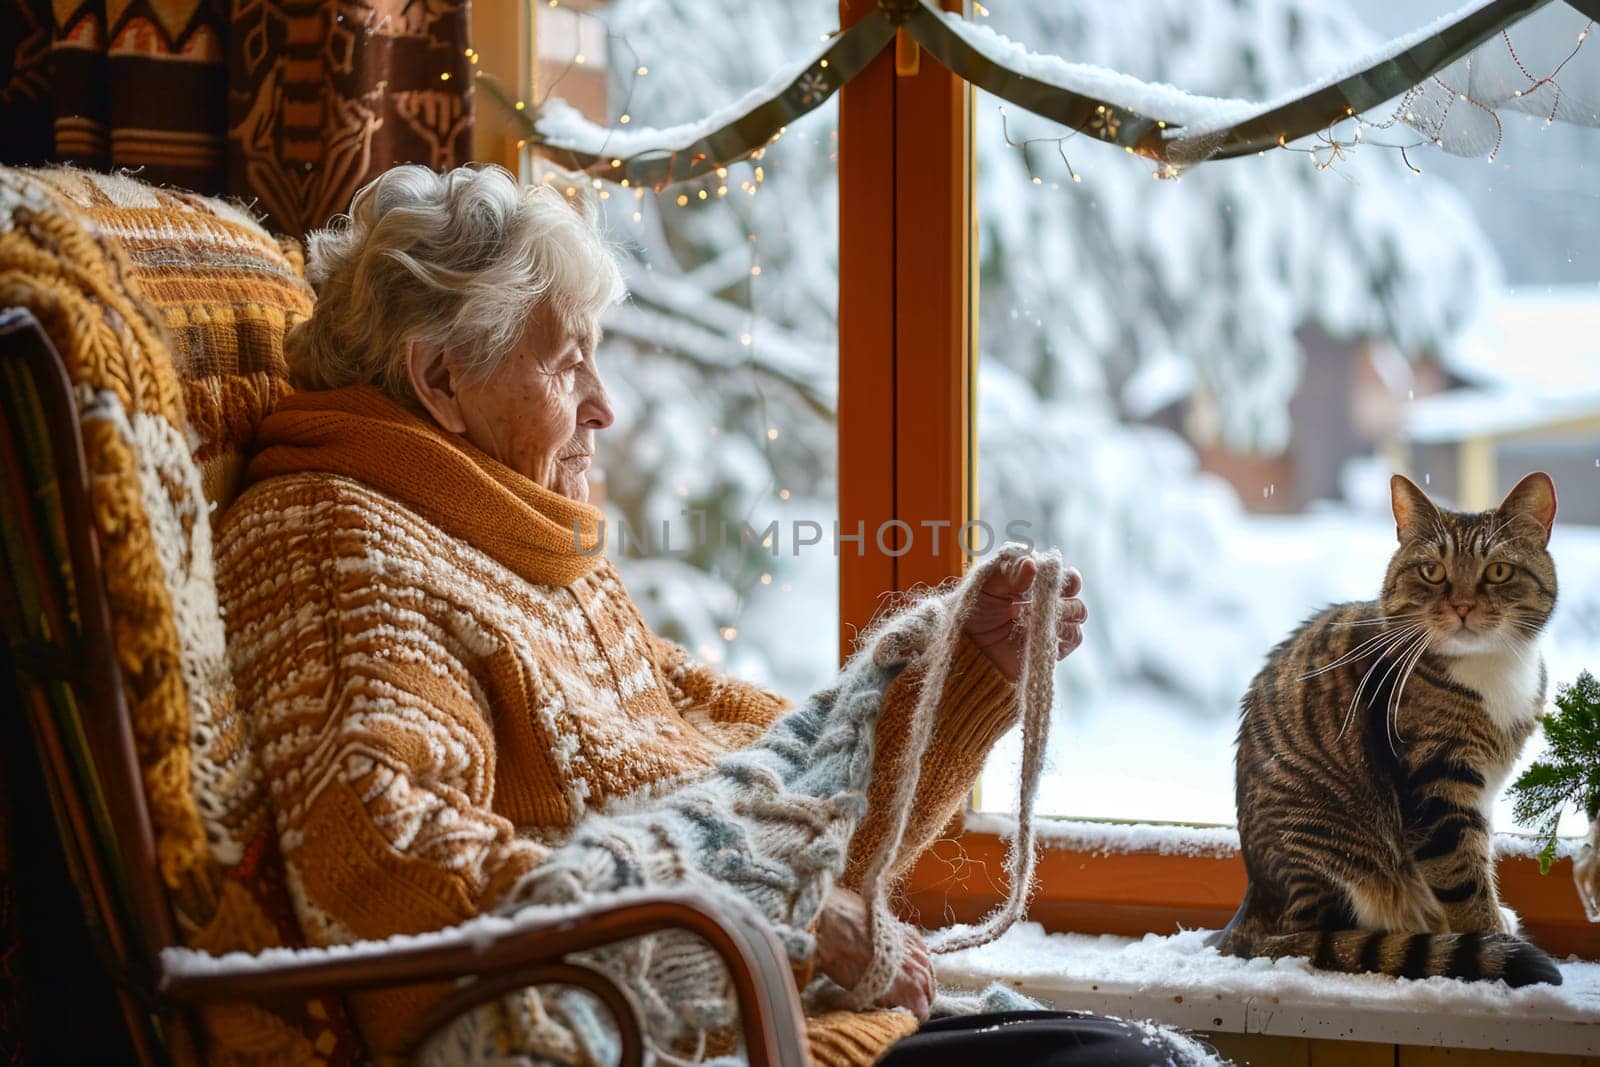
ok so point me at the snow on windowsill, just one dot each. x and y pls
(1165, 839)
(1178, 981)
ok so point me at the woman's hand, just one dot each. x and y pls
(998, 624)
(844, 951)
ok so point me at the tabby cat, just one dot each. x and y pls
(1372, 746)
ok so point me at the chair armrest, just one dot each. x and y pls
(503, 954)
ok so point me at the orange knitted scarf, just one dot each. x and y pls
(361, 434)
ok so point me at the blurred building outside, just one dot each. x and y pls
(1527, 398)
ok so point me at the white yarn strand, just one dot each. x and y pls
(944, 617)
(942, 624)
(1036, 693)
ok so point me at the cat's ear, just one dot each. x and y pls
(1535, 498)
(1414, 513)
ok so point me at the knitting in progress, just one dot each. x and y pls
(772, 823)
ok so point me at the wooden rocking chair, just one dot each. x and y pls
(60, 629)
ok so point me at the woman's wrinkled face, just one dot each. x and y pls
(538, 411)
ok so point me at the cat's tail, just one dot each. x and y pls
(1473, 957)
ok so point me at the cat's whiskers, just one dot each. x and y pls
(1520, 649)
(1400, 688)
(1350, 715)
(1526, 627)
(1403, 636)
(1378, 643)
(1395, 666)
(1355, 699)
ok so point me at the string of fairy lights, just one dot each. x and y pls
(699, 171)
(1332, 148)
(1336, 143)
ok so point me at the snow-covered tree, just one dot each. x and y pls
(1106, 283)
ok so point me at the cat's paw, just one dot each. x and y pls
(1509, 923)
(1409, 904)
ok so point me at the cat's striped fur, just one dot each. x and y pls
(1374, 741)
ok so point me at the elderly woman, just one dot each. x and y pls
(448, 680)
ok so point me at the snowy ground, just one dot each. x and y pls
(1133, 751)
(1177, 980)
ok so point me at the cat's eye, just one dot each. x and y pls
(1499, 572)
(1432, 573)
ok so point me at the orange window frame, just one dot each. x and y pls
(905, 325)
(908, 451)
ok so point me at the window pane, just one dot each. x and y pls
(1198, 388)
(722, 365)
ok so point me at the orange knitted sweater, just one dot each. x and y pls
(443, 684)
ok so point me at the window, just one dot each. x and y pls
(1198, 388)
(1194, 387)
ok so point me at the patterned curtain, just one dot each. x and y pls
(289, 105)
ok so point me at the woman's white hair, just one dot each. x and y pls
(461, 260)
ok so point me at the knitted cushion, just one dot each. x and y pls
(226, 291)
(62, 254)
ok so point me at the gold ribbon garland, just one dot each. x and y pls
(1160, 138)
(1152, 136)
(745, 137)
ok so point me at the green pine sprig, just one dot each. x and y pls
(1569, 773)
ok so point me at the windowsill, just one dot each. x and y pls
(1184, 839)
(1141, 883)
(1176, 980)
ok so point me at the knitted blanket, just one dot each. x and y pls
(771, 825)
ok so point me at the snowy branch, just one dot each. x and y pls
(782, 360)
